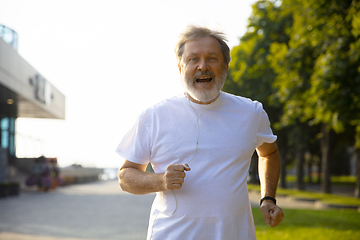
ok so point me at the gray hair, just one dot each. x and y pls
(196, 32)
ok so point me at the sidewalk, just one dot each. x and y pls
(98, 210)
(92, 211)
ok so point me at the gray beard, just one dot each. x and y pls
(201, 95)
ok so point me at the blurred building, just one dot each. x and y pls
(24, 92)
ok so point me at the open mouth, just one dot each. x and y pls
(204, 79)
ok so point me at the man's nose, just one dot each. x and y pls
(202, 65)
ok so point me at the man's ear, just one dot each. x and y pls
(227, 66)
(179, 67)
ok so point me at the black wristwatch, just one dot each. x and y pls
(267, 198)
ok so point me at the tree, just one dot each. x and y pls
(318, 76)
(250, 73)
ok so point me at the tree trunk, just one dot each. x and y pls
(283, 169)
(299, 154)
(357, 188)
(319, 170)
(310, 171)
(300, 185)
(326, 149)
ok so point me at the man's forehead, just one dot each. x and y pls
(208, 44)
(193, 53)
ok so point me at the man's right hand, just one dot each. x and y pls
(174, 175)
(134, 179)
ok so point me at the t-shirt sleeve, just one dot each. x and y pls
(264, 132)
(135, 146)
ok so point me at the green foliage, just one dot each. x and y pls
(300, 58)
(250, 73)
(310, 224)
(318, 75)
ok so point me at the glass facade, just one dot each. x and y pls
(8, 103)
(4, 126)
(8, 115)
(9, 36)
(7, 126)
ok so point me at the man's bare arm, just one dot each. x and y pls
(269, 168)
(269, 171)
(134, 179)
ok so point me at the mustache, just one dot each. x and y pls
(201, 73)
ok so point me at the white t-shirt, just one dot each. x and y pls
(213, 202)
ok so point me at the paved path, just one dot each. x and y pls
(98, 210)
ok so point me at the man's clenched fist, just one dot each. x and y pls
(174, 175)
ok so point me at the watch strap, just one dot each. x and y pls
(267, 198)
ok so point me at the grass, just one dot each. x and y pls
(310, 224)
(300, 224)
(334, 179)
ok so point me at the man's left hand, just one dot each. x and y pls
(273, 215)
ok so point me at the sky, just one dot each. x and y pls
(111, 59)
